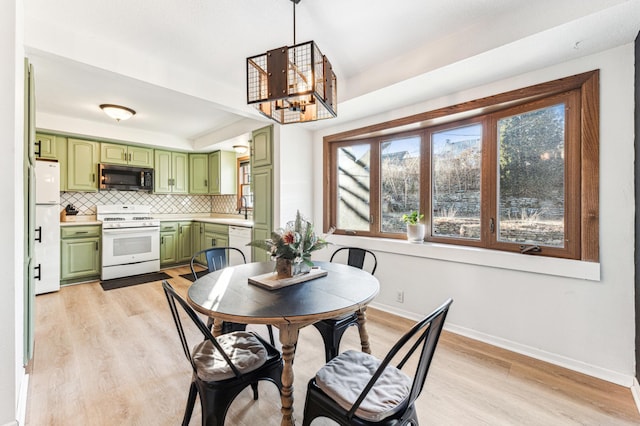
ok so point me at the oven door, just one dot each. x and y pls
(130, 245)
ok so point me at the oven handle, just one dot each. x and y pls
(130, 230)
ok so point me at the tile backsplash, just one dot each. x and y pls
(86, 202)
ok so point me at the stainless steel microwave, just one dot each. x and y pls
(125, 178)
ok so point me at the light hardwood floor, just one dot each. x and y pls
(113, 358)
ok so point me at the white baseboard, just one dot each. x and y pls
(559, 360)
(635, 391)
(21, 410)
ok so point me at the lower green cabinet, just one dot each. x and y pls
(215, 235)
(79, 253)
(185, 241)
(176, 242)
(168, 243)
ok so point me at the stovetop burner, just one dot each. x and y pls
(125, 216)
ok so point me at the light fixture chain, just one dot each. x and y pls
(294, 22)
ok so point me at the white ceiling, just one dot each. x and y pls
(181, 64)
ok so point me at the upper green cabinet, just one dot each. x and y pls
(262, 147)
(55, 148)
(171, 172)
(50, 146)
(222, 173)
(198, 173)
(112, 153)
(82, 165)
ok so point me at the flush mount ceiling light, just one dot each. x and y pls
(292, 84)
(117, 112)
(240, 149)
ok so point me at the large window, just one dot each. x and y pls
(514, 172)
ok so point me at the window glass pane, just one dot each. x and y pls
(400, 181)
(353, 187)
(531, 183)
(455, 199)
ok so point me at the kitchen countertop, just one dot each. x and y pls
(231, 220)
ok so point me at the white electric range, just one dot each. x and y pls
(130, 240)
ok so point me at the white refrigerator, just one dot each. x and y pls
(47, 227)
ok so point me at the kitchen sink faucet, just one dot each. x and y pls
(243, 201)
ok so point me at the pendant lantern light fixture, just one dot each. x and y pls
(292, 84)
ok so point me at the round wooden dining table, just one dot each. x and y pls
(227, 295)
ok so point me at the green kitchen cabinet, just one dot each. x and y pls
(171, 172)
(82, 165)
(215, 235)
(185, 242)
(262, 188)
(168, 243)
(79, 253)
(198, 174)
(176, 242)
(207, 235)
(112, 153)
(53, 147)
(262, 147)
(222, 173)
(262, 181)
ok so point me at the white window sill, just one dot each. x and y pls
(477, 256)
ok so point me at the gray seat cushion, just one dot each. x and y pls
(244, 349)
(344, 377)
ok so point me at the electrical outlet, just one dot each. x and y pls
(400, 296)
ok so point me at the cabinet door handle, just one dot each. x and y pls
(129, 157)
(162, 240)
(82, 232)
(180, 230)
(93, 177)
(37, 276)
(39, 234)
(97, 246)
(213, 242)
(37, 152)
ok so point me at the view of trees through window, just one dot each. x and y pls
(531, 188)
(400, 181)
(456, 170)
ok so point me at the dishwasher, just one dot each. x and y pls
(239, 237)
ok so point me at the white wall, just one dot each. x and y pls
(583, 324)
(11, 302)
(295, 170)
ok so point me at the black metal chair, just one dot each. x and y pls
(333, 329)
(358, 389)
(217, 258)
(224, 366)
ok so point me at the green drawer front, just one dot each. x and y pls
(168, 226)
(79, 231)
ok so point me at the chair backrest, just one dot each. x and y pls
(426, 334)
(356, 257)
(176, 300)
(216, 257)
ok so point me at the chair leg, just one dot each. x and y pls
(191, 402)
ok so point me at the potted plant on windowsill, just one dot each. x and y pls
(415, 229)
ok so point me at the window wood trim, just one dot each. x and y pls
(588, 85)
